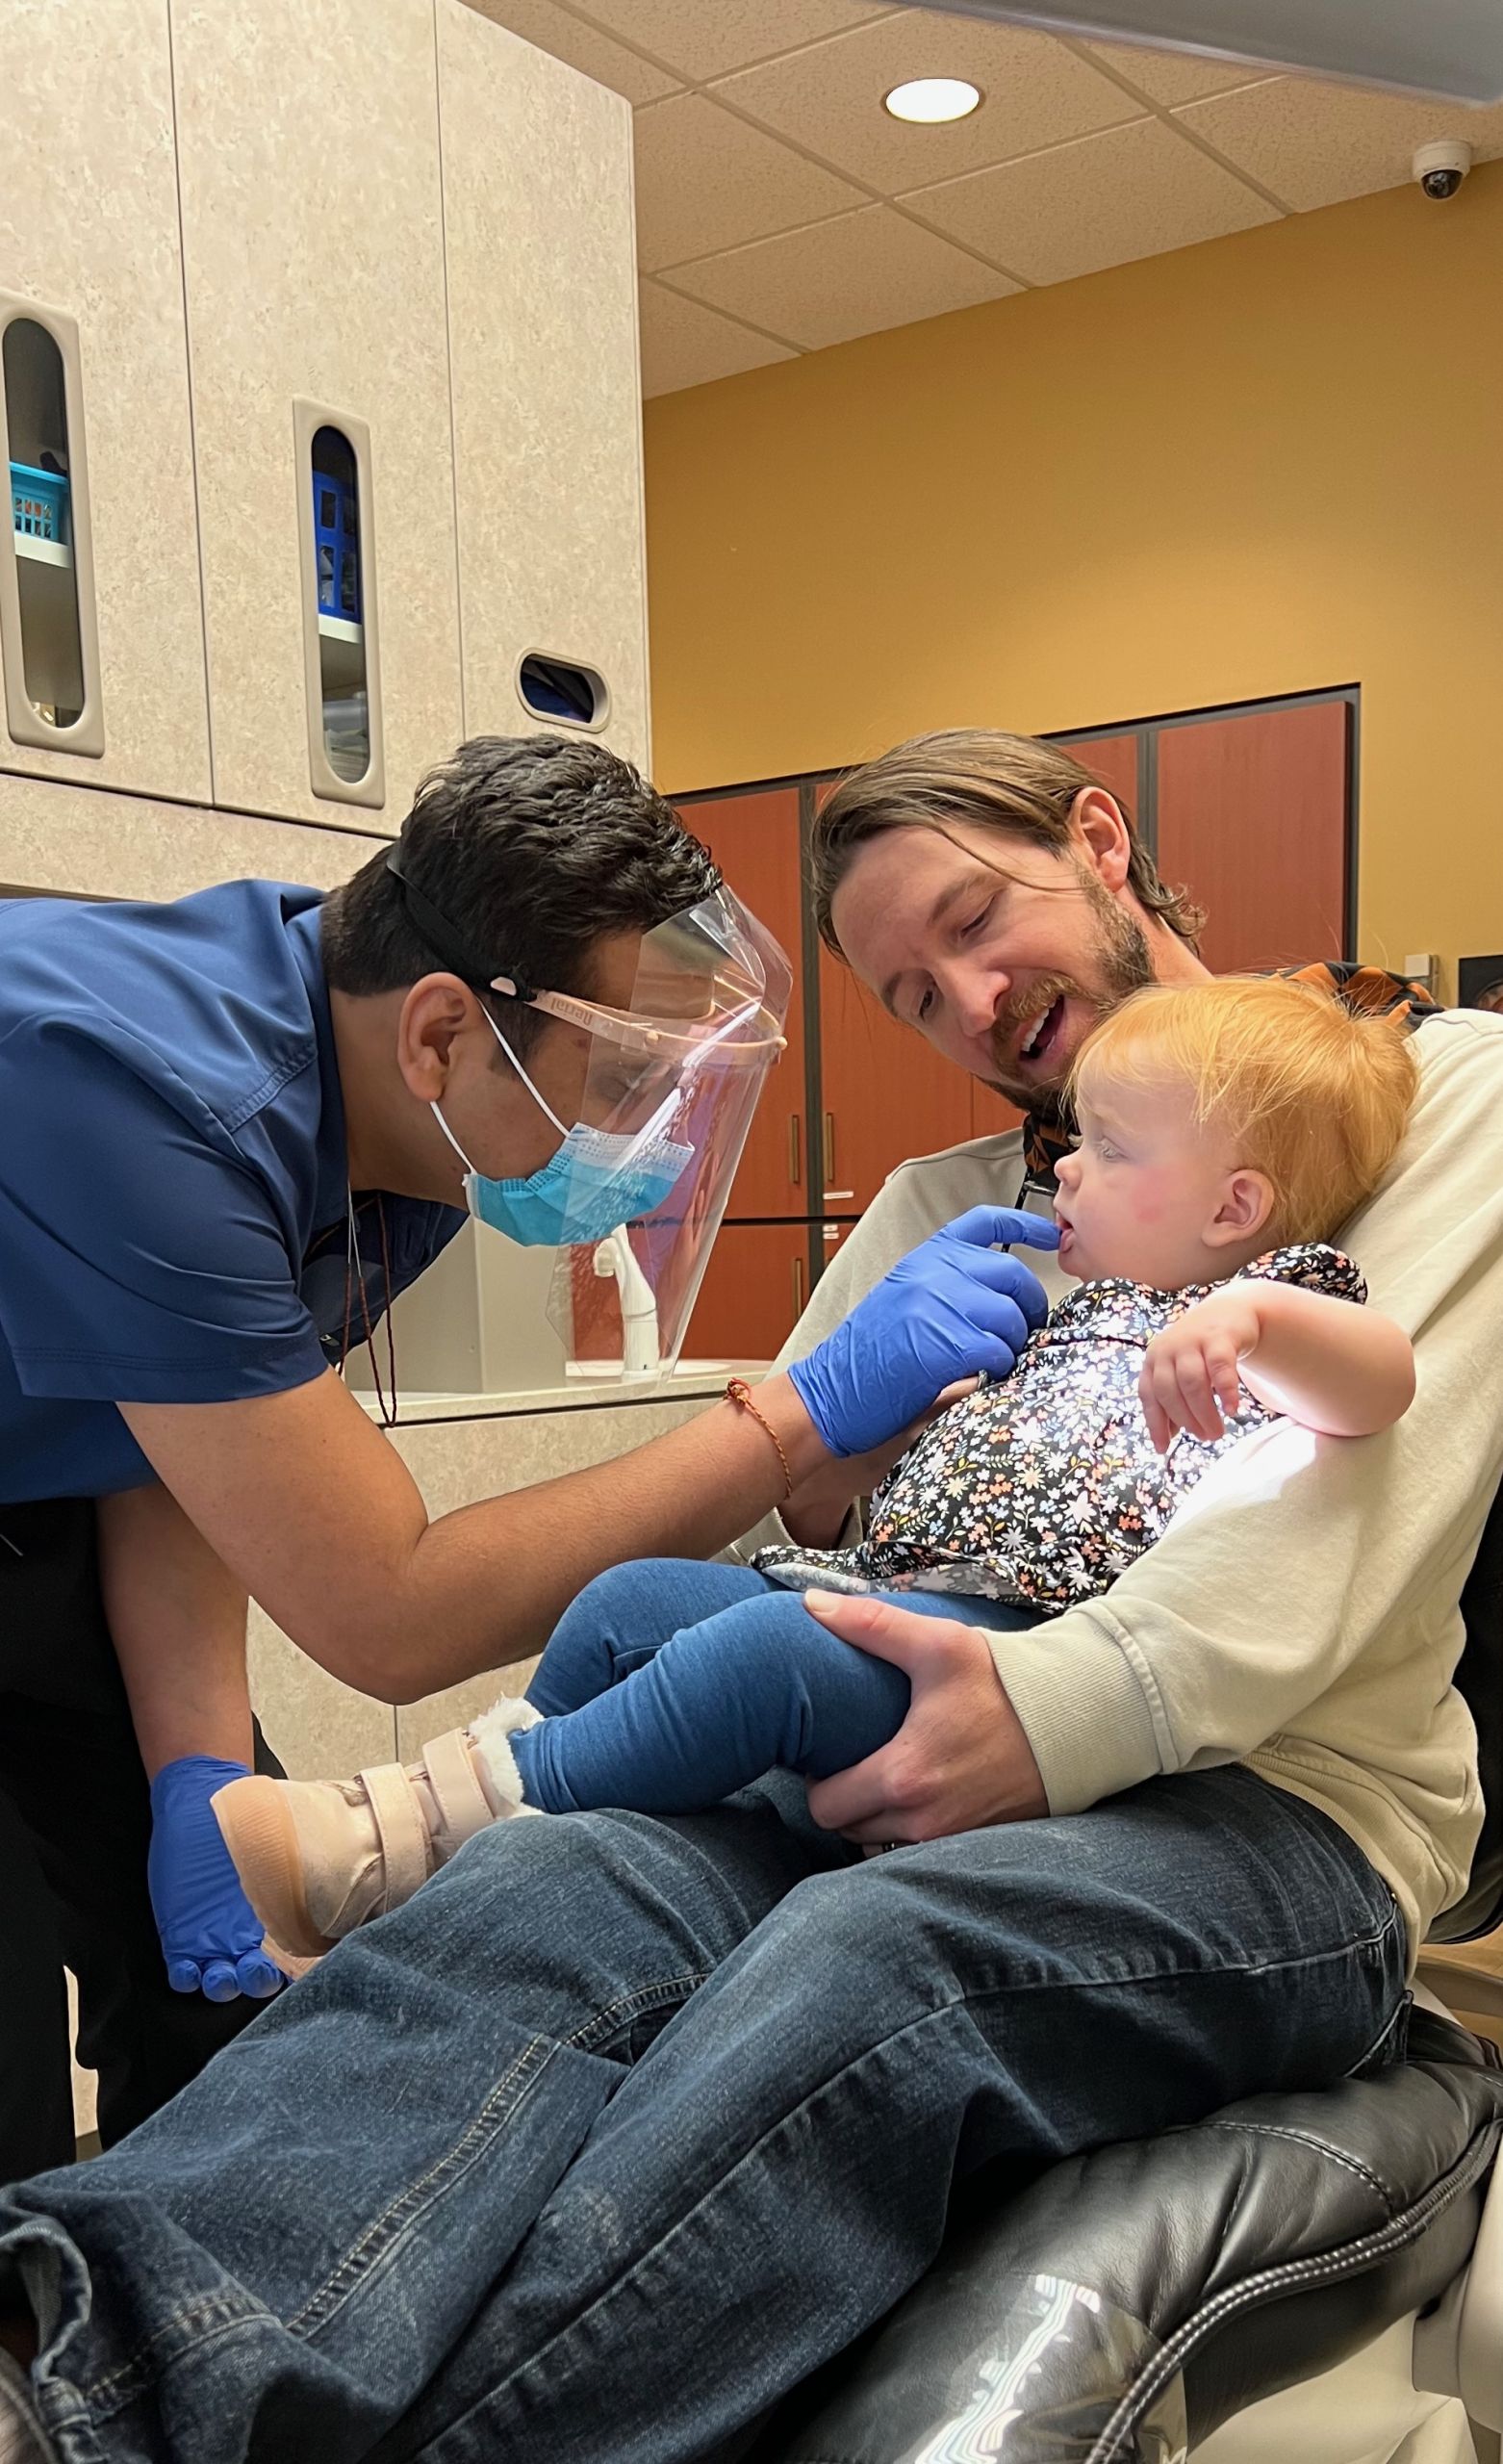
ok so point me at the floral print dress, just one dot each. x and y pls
(1041, 1489)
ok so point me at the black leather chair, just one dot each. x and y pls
(1306, 2280)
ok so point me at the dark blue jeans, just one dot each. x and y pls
(668, 1684)
(623, 2125)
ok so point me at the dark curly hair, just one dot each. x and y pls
(534, 848)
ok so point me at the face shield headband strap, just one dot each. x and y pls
(448, 946)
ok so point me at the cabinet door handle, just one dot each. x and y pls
(794, 1149)
(799, 1291)
(830, 1149)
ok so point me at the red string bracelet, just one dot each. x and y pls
(739, 1393)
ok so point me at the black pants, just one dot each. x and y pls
(75, 1823)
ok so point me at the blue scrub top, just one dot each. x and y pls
(173, 1221)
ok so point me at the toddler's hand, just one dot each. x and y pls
(1189, 1378)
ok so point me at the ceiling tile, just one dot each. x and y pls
(856, 275)
(706, 38)
(706, 181)
(1313, 143)
(1102, 201)
(683, 344)
(553, 28)
(1173, 76)
(829, 98)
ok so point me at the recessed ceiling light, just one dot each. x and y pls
(930, 100)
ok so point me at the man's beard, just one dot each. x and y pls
(1122, 962)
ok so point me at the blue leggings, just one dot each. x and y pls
(668, 1684)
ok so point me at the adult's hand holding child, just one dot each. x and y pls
(961, 1759)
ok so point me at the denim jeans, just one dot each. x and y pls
(623, 2125)
(729, 1676)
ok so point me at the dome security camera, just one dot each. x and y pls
(1441, 169)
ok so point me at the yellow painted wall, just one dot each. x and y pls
(1272, 463)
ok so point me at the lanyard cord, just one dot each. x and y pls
(352, 1276)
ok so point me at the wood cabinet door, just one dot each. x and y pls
(1113, 761)
(754, 1290)
(1253, 820)
(887, 1093)
(754, 840)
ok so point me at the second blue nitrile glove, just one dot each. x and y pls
(211, 1934)
(954, 1305)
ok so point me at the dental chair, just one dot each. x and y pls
(1300, 2279)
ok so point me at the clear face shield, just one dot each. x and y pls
(665, 1088)
(670, 1086)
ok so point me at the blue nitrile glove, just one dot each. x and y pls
(952, 1306)
(211, 1934)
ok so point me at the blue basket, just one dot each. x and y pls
(40, 503)
(336, 530)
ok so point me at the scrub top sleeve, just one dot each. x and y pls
(141, 1260)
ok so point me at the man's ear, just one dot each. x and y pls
(434, 1015)
(1105, 841)
(1245, 1206)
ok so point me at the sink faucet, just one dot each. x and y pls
(639, 1355)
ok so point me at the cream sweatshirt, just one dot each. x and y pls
(1301, 1612)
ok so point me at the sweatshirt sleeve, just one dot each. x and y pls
(1298, 1554)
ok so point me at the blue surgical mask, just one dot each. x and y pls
(598, 1180)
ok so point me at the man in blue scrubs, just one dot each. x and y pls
(234, 1129)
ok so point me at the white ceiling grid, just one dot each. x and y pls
(781, 209)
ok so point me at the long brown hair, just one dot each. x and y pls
(1012, 783)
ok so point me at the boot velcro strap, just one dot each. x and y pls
(464, 1808)
(401, 1830)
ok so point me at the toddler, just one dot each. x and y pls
(1225, 1131)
